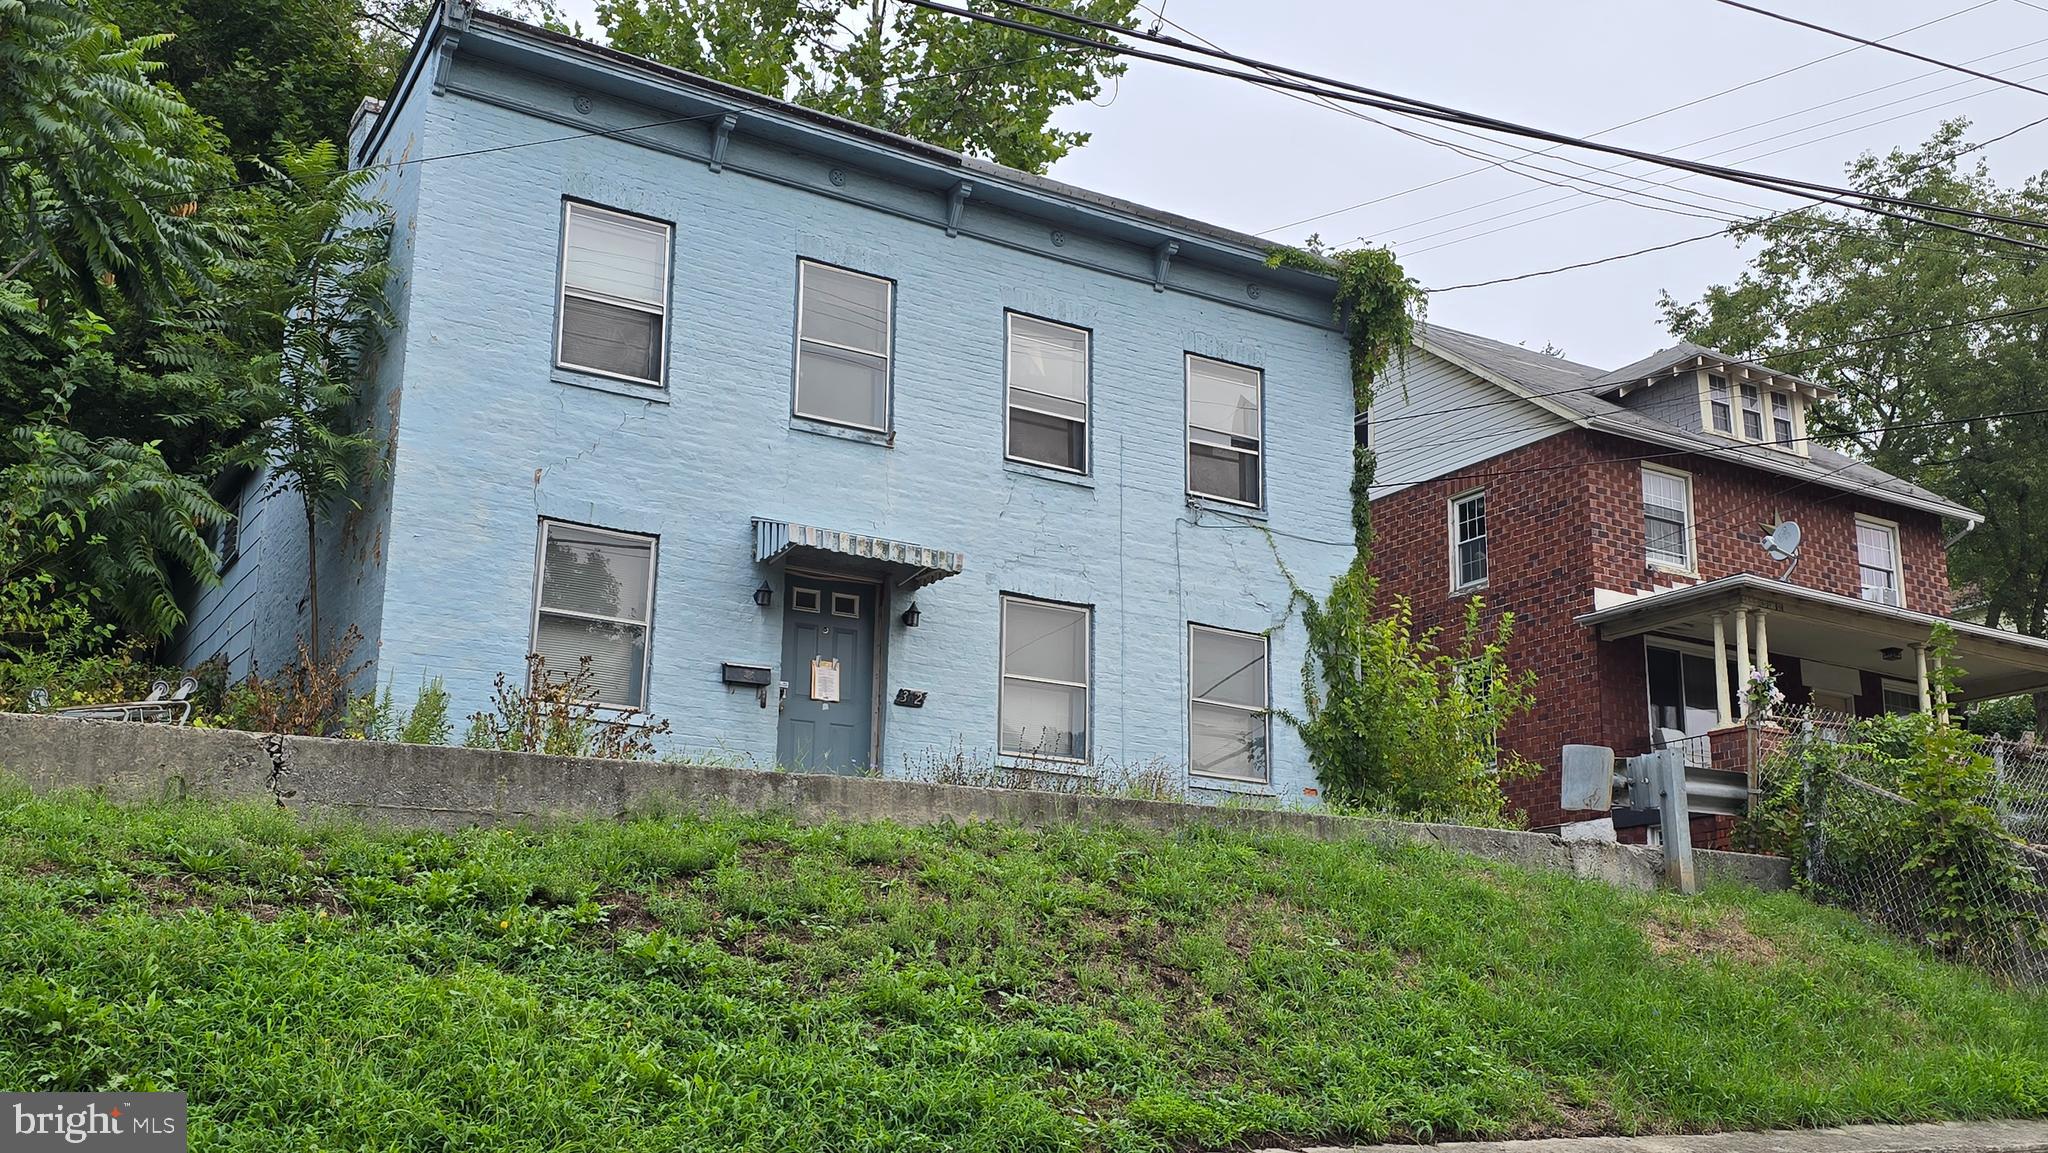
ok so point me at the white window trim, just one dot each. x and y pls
(1458, 588)
(563, 291)
(1795, 401)
(1086, 684)
(1189, 426)
(645, 624)
(1087, 394)
(1891, 529)
(888, 353)
(1692, 552)
(1264, 713)
(1707, 404)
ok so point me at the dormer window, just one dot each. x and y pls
(1752, 412)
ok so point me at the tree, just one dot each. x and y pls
(1822, 296)
(963, 85)
(311, 307)
(99, 173)
(269, 72)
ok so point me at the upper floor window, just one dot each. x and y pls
(842, 354)
(1227, 722)
(594, 597)
(1752, 412)
(1877, 561)
(1781, 417)
(1043, 710)
(1468, 541)
(1224, 431)
(1048, 394)
(1667, 517)
(1719, 401)
(614, 305)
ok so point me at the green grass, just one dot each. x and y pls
(745, 983)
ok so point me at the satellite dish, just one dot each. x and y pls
(1782, 543)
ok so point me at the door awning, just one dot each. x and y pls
(913, 565)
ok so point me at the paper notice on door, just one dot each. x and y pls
(825, 680)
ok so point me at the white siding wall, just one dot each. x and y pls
(1433, 417)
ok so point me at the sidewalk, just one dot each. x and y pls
(1953, 1137)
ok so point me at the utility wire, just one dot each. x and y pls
(1882, 47)
(1315, 84)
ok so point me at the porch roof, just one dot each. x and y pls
(1836, 629)
(914, 566)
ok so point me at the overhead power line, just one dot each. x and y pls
(1883, 47)
(1649, 117)
(1298, 80)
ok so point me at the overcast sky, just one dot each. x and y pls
(1226, 152)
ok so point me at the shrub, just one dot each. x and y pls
(308, 697)
(558, 715)
(1395, 724)
(377, 717)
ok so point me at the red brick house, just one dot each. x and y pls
(1620, 516)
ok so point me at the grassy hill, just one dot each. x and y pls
(743, 983)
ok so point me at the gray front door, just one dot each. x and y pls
(828, 650)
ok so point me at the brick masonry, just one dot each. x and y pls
(1564, 517)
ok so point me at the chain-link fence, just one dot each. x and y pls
(1830, 793)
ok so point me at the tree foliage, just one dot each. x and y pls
(959, 84)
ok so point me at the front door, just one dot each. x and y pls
(828, 651)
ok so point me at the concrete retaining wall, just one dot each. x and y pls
(453, 788)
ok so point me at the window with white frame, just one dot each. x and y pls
(614, 305)
(1781, 417)
(1752, 412)
(1043, 710)
(1667, 517)
(1224, 430)
(1720, 403)
(595, 594)
(842, 354)
(1048, 394)
(1877, 561)
(1468, 541)
(1227, 702)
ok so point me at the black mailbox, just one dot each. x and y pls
(752, 676)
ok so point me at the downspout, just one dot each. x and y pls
(1969, 526)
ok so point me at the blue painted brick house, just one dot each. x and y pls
(836, 450)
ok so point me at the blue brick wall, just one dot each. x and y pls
(491, 438)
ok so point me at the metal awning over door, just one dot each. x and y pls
(913, 565)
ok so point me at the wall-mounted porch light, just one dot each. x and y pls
(1891, 653)
(911, 616)
(764, 596)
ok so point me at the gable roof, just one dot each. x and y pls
(1686, 355)
(1577, 393)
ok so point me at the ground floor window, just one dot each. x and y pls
(594, 595)
(1227, 688)
(1043, 711)
(1682, 694)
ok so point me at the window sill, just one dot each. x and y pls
(1227, 508)
(1666, 569)
(1074, 770)
(842, 432)
(1467, 590)
(1042, 472)
(1200, 783)
(652, 393)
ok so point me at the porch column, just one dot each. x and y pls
(1742, 661)
(1722, 716)
(1940, 695)
(1763, 639)
(1920, 668)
